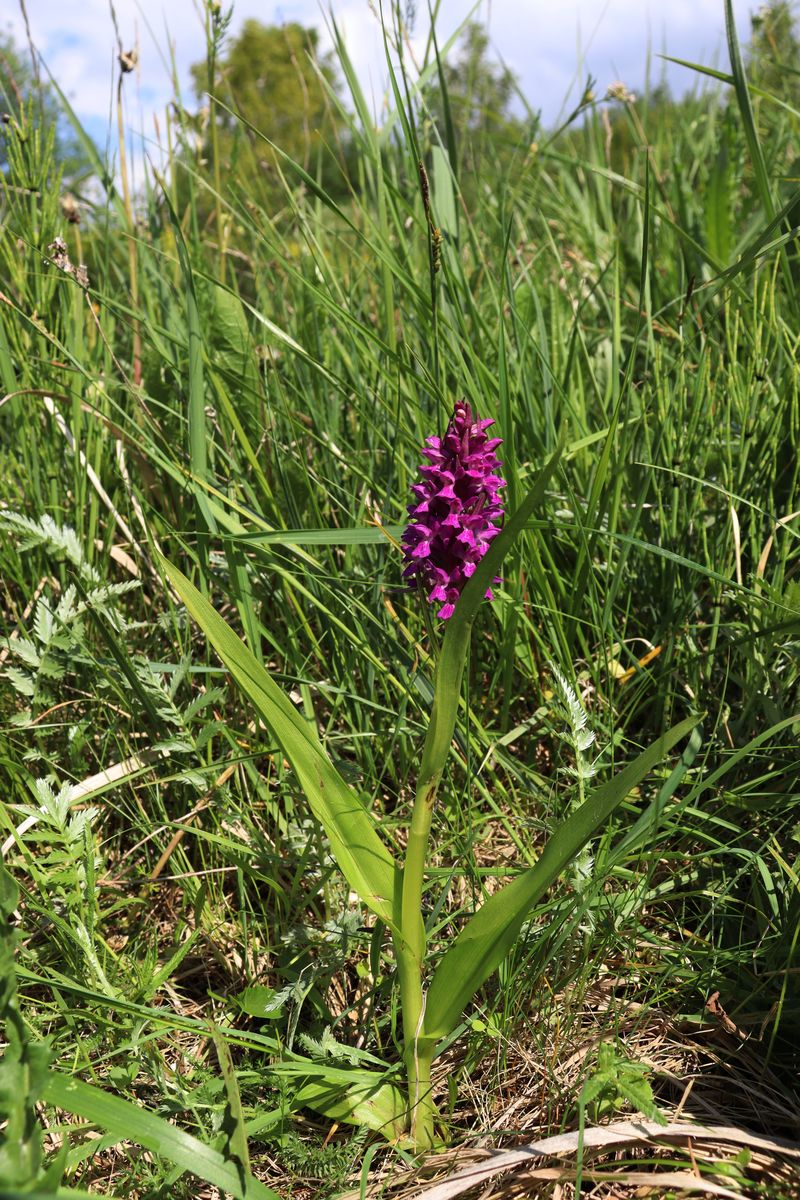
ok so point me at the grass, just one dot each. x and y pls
(185, 948)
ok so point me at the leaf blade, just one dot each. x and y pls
(488, 936)
(133, 1123)
(362, 857)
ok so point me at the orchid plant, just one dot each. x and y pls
(453, 547)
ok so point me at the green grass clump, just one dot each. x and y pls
(244, 389)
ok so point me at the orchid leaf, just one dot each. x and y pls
(488, 936)
(375, 1104)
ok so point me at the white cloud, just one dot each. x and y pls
(539, 39)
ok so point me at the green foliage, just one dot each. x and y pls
(773, 59)
(28, 98)
(23, 1069)
(244, 386)
(130, 1121)
(276, 76)
(365, 861)
(618, 1082)
(328, 1164)
(490, 934)
(470, 101)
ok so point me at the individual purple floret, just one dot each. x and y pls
(458, 510)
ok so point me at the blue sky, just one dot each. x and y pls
(543, 41)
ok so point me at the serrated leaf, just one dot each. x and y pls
(20, 681)
(26, 650)
(639, 1095)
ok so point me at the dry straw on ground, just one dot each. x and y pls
(733, 1130)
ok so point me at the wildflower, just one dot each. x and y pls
(618, 91)
(458, 510)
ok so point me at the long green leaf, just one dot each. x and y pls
(198, 436)
(131, 1122)
(362, 857)
(742, 91)
(365, 535)
(486, 939)
(237, 1133)
(726, 77)
(61, 1193)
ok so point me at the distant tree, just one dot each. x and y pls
(774, 51)
(480, 90)
(275, 77)
(477, 92)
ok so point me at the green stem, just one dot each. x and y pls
(420, 1099)
(411, 945)
(411, 949)
(418, 1055)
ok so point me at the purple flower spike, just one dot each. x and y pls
(458, 510)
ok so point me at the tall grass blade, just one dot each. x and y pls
(131, 1122)
(488, 936)
(742, 91)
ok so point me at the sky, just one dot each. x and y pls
(543, 41)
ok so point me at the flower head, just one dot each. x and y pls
(618, 91)
(458, 510)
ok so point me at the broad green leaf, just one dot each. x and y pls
(445, 211)
(379, 1106)
(231, 337)
(9, 893)
(260, 1001)
(8, 378)
(718, 205)
(58, 1193)
(131, 1122)
(362, 857)
(489, 935)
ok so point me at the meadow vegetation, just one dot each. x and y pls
(232, 369)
